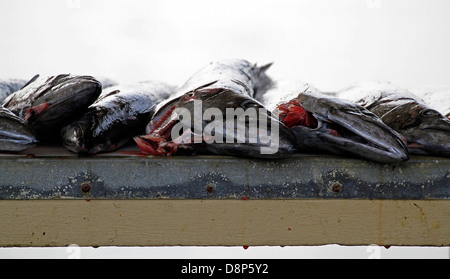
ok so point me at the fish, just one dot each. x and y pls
(120, 113)
(436, 98)
(425, 129)
(7, 87)
(48, 103)
(15, 134)
(225, 87)
(323, 123)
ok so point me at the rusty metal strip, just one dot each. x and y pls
(116, 176)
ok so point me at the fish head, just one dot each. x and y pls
(77, 136)
(87, 134)
(57, 100)
(344, 127)
(60, 92)
(15, 134)
(221, 121)
(427, 132)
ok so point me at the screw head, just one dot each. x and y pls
(210, 187)
(85, 187)
(337, 187)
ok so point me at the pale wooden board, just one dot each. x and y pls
(57, 223)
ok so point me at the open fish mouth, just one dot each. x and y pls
(330, 124)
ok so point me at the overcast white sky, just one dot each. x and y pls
(329, 43)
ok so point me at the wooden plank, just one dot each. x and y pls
(58, 223)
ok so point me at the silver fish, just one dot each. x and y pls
(426, 130)
(324, 123)
(15, 134)
(7, 87)
(120, 113)
(236, 75)
(221, 86)
(48, 103)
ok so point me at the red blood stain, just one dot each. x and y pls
(293, 114)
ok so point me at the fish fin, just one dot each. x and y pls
(145, 147)
(107, 95)
(31, 112)
(203, 86)
(265, 67)
(31, 81)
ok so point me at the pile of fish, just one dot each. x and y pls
(426, 130)
(228, 107)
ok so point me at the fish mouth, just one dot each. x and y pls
(72, 139)
(332, 125)
(12, 142)
(20, 139)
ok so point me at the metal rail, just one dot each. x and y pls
(53, 173)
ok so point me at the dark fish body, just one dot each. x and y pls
(15, 134)
(220, 86)
(426, 130)
(7, 87)
(48, 103)
(120, 113)
(323, 123)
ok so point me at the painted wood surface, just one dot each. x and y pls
(58, 223)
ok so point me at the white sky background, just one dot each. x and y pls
(330, 43)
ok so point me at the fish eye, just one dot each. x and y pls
(430, 113)
(249, 104)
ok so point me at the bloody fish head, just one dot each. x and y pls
(341, 127)
(225, 140)
(293, 114)
(47, 103)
